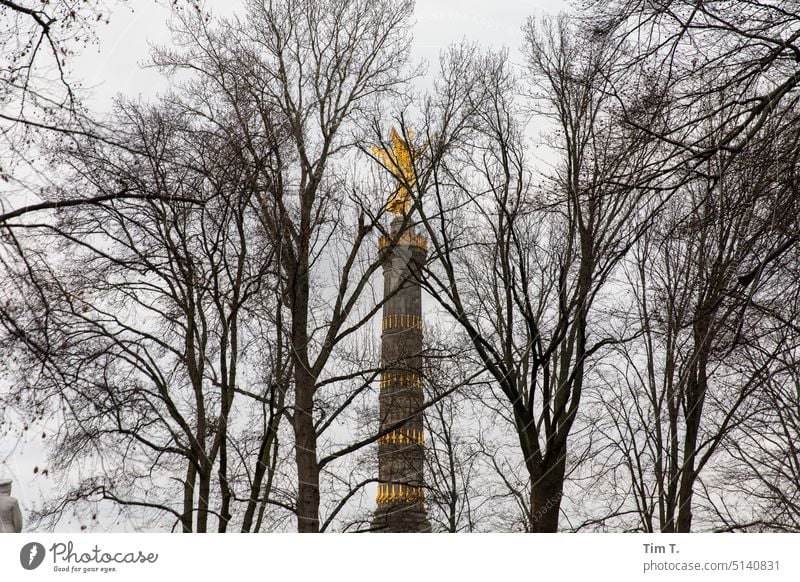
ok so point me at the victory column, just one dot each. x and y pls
(401, 452)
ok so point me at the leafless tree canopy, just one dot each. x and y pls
(188, 314)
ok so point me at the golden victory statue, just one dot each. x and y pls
(399, 160)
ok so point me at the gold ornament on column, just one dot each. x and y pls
(399, 160)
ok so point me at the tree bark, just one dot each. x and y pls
(546, 493)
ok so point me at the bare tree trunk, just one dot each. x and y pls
(303, 419)
(188, 498)
(695, 400)
(204, 492)
(546, 492)
(306, 453)
(263, 465)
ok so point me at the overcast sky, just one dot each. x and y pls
(113, 65)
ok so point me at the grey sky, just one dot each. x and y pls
(113, 65)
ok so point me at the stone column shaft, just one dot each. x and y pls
(401, 506)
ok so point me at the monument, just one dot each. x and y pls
(401, 448)
(10, 515)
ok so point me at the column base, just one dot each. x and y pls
(400, 518)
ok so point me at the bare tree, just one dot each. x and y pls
(759, 482)
(705, 300)
(520, 269)
(141, 336)
(744, 58)
(457, 492)
(40, 98)
(36, 43)
(287, 89)
(322, 69)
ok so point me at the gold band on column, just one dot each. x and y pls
(401, 321)
(401, 379)
(399, 493)
(409, 239)
(403, 437)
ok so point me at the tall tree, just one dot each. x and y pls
(712, 335)
(141, 335)
(322, 68)
(520, 269)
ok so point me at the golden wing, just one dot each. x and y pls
(399, 160)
